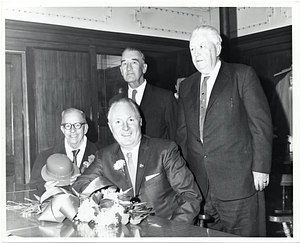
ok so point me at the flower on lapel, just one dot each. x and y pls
(141, 165)
(119, 165)
(91, 159)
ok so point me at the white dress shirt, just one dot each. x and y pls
(212, 79)
(140, 91)
(81, 152)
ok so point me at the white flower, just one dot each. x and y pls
(91, 159)
(119, 165)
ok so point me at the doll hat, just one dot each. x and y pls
(59, 168)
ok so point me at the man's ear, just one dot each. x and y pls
(86, 128)
(109, 126)
(145, 66)
(219, 48)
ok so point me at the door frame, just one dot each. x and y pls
(27, 166)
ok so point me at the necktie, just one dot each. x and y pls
(203, 98)
(133, 95)
(75, 152)
(131, 169)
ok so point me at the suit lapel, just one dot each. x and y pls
(195, 96)
(221, 81)
(146, 98)
(142, 164)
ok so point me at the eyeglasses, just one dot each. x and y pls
(77, 125)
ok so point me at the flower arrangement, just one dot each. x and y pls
(104, 218)
(98, 211)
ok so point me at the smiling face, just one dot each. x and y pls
(133, 68)
(125, 125)
(204, 52)
(74, 136)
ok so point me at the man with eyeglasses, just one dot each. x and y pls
(75, 145)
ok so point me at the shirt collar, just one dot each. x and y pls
(81, 147)
(139, 89)
(213, 74)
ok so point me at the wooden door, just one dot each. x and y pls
(17, 140)
(110, 83)
(58, 80)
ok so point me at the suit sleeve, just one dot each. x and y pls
(93, 171)
(259, 121)
(171, 115)
(183, 183)
(181, 131)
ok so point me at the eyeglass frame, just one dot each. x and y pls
(73, 125)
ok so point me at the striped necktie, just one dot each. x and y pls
(131, 169)
(134, 95)
(203, 100)
(75, 152)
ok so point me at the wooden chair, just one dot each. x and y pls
(286, 222)
(286, 180)
(203, 219)
(284, 216)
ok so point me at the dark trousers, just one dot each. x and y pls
(243, 217)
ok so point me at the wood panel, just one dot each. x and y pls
(61, 80)
(15, 158)
(267, 52)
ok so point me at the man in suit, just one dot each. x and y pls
(75, 145)
(153, 167)
(158, 106)
(225, 133)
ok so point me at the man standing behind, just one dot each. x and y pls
(225, 132)
(158, 106)
(75, 145)
(151, 167)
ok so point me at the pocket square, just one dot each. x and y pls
(151, 176)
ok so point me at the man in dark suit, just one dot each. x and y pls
(153, 167)
(74, 127)
(158, 106)
(229, 152)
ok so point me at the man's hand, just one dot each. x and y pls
(261, 180)
(50, 184)
(73, 178)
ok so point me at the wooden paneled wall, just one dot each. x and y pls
(267, 52)
(62, 72)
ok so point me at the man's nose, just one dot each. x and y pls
(129, 66)
(73, 129)
(125, 126)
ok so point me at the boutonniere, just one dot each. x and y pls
(90, 160)
(141, 165)
(119, 165)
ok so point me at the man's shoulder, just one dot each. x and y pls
(108, 150)
(157, 143)
(117, 97)
(163, 95)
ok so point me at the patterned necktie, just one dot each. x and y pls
(131, 169)
(133, 95)
(203, 99)
(75, 152)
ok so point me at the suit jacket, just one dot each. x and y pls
(36, 180)
(158, 110)
(237, 134)
(163, 180)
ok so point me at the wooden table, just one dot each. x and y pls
(18, 225)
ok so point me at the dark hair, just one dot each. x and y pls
(130, 48)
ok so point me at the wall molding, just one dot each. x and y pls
(104, 13)
(148, 18)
